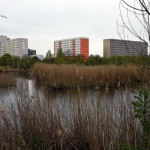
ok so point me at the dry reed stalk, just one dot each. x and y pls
(70, 76)
(32, 122)
(6, 80)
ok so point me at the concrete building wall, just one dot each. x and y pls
(3, 38)
(115, 47)
(15, 47)
(106, 48)
(73, 47)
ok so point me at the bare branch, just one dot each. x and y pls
(132, 10)
(132, 6)
(3, 16)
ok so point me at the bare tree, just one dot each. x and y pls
(135, 21)
(137, 18)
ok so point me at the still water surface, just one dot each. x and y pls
(68, 100)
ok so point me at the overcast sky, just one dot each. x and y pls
(43, 21)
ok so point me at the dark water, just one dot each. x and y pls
(110, 96)
(108, 106)
(67, 100)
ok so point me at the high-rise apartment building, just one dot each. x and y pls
(15, 47)
(3, 38)
(115, 47)
(73, 47)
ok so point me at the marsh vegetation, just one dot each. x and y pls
(79, 117)
(72, 76)
(7, 80)
(32, 119)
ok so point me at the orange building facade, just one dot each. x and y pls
(73, 47)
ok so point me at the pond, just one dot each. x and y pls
(104, 115)
(66, 100)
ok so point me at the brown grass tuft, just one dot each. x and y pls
(7, 80)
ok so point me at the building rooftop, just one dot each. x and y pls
(124, 40)
(73, 38)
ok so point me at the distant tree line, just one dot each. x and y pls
(26, 63)
(23, 63)
(97, 60)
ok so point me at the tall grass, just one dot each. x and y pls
(30, 121)
(7, 80)
(70, 76)
(8, 69)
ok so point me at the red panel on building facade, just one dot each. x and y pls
(85, 48)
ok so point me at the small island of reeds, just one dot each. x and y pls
(72, 76)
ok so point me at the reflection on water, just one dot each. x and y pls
(68, 108)
(103, 115)
(110, 96)
(68, 100)
(67, 103)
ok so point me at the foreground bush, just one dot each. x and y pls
(29, 121)
(70, 76)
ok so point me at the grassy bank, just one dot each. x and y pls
(7, 80)
(8, 69)
(70, 76)
(31, 122)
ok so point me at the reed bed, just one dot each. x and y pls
(4, 69)
(71, 76)
(7, 80)
(29, 121)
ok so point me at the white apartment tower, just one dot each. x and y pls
(15, 47)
